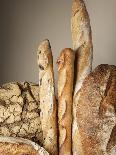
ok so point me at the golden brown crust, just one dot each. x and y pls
(65, 90)
(47, 98)
(82, 45)
(82, 41)
(20, 146)
(16, 149)
(96, 112)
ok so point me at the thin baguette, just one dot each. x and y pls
(48, 105)
(82, 45)
(65, 90)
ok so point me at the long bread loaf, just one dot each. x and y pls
(82, 45)
(48, 105)
(65, 90)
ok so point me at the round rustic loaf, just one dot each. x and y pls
(20, 111)
(96, 112)
(20, 146)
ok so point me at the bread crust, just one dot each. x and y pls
(65, 90)
(82, 45)
(20, 111)
(48, 104)
(20, 146)
(96, 112)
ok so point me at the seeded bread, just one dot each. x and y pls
(96, 112)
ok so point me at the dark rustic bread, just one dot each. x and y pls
(96, 112)
(65, 103)
(20, 111)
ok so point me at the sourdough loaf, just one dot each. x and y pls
(20, 146)
(20, 111)
(96, 112)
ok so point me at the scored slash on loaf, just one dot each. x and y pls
(48, 105)
(82, 45)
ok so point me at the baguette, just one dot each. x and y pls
(65, 90)
(20, 146)
(82, 45)
(96, 112)
(48, 105)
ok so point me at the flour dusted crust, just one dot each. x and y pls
(65, 103)
(47, 98)
(20, 111)
(96, 112)
(82, 45)
(20, 146)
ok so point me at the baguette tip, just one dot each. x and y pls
(66, 56)
(45, 44)
(76, 6)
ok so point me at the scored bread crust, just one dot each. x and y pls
(82, 45)
(65, 90)
(96, 112)
(48, 104)
(20, 146)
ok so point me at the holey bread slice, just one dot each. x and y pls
(20, 146)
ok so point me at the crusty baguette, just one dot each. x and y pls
(20, 146)
(82, 45)
(47, 98)
(65, 90)
(20, 111)
(96, 112)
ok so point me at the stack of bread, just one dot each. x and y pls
(82, 121)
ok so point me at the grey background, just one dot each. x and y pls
(24, 23)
